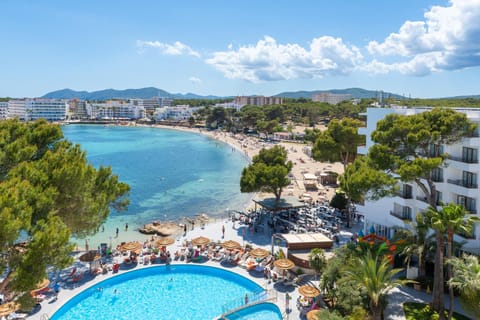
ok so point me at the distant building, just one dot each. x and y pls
(229, 105)
(180, 112)
(3, 109)
(33, 109)
(257, 100)
(77, 109)
(331, 98)
(114, 109)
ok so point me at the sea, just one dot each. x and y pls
(172, 174)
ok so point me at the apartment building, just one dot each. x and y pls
(180, 112)
(331, 98)
(3, 110)
(33, 109)
(456, 182)
(115, 110)
(77, 109)
(257, 100)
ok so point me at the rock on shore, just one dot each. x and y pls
(161, 229)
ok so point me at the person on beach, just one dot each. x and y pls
(126, 226)
(185, 230)
(116, 233)
(223, 231)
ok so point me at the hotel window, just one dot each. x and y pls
(438, 198)
(469, 203)
(436, 150)
(437, 175)
(469, 179)
(469, 155)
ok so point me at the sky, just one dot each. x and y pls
(416, 48)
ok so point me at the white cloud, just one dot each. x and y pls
(194, 79)
(448, 39)
(269, 60)
(174, 49)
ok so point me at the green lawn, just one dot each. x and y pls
(422, 311)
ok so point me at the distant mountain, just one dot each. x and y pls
(143, 93)
(465, 97)
(357, 93)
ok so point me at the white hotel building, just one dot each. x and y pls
(457, 182)
(39, 108)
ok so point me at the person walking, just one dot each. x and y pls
(223, 231)
(116, 233)
(126, 226)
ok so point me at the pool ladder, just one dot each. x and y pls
(44, 317)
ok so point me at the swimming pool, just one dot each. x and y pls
(160, 292)
(261, 311)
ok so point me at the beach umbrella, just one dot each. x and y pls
(90, 257)
(162, 242)
(284, 264)
(230, 245)
(134, 246)
(313, 314)
(42, 285)
(200, 241)
(259, 253)
(7, 308)
(308, 291)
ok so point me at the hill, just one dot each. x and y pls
(143, 93)
(357, 93)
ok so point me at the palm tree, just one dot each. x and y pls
(466, 279)
(450, 219)
(317, 260)
(373, 274)
(414, 243)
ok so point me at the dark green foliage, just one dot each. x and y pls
(48, 192)
(267, 172)
(339, 201)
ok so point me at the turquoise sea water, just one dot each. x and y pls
(172, 174)
(162, 292)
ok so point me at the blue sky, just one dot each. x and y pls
(421, 48)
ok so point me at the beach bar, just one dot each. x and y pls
(299, 245)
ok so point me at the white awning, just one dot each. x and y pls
(309, 176)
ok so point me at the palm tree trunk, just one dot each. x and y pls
(438, 302)
(376, 311)
(449, 273)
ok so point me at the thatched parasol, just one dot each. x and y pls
(313, 314)
(42, 285)
(162, 242)
(259, 253)
(7, 308)
(200, 241)
(230, 245)
(284, 264)
(90, 256)
(308, 291)
(134, 246)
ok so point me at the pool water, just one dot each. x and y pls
(262, 311)
(160, 292)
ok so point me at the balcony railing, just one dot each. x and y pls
(404, 195)
(462, 183)
(463, 159)
(401, 215)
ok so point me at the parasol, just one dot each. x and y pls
(308, 291)
(284, 264)
(259, 253)
(162, 242)
(7, 308)
(200, 241)
(230, 245)
(134, 246)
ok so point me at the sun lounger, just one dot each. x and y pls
(72, 272)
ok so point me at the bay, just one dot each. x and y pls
(172, 174)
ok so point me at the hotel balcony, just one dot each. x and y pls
(464, 164)
(465, 184)
(404, 195)
(401, 215)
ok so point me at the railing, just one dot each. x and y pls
(401, 215)
(246, 301)
(462, 159)
(462, 183)
(423, 199)
(404, 195)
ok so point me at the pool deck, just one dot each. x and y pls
(213, 231)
